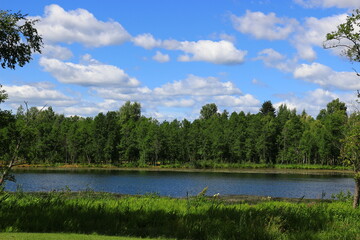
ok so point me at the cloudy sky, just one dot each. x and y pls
(176, 56)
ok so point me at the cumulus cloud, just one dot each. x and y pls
(194, 91)
(197, 86)
(146, 41)
(217, 52)
(179, 103)
(237, 101)
(79, 26)
(313, 101)
(222, 52)
(326, 77)
(56, 51)
(125, 94)
(82, 110)
(274, 59)
(91, 74)
(159, 57)
(262, 26)
(313, 33)
(328, 3)
(37, 95)
(85, 108)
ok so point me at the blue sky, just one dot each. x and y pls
(176, 56)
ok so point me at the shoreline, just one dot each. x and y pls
(81, 168)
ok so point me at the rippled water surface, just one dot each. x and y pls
(178, 184)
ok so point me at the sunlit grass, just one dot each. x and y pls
(192, 218)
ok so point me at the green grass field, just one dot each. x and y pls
(151, 216)
(62, 236)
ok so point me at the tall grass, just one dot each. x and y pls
(192, 218)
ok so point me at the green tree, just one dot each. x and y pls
(333, 118)
(252, 143)
(266, 140)
(19, 39)
(347, 37)
(350, 152)
(290, 141)
(267, 109)
(237, 136)
(208, 110)
(130, 111)
(129, 116)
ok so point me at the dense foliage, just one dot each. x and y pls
(19, 39)
(192, 218)
(125, 137)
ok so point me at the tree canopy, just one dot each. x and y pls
(208, 110)
(19, 39)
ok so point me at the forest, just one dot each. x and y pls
(126, 138)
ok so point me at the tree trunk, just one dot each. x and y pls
(357, 191)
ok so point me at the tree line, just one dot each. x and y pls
(271, 136)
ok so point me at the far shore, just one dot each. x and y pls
(270, 170)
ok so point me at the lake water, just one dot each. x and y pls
(178, 184)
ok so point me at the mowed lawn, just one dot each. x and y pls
(63, 236)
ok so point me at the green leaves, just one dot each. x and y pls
(347, 37)
(18, 39)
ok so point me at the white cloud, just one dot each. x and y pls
(37, 95)
(217, 52)
(124, 94)
(313, 33)
(192, 92)
(326, 77)
(222, 52)
(92, 74)
(329, 3)
(159, 57)
(262, 26)
(246, 100)
(274, 59)
(197, 86)
(146, 41)
(86, 108)
(179, 103)
(56, 51)
(314, 101)
(81, 111)
(80, 26)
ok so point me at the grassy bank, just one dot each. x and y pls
(193, 218)
(200, 166)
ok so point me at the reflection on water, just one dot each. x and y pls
(178, 184)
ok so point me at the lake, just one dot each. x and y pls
(178, 184)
